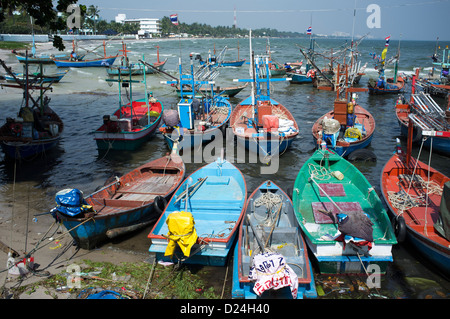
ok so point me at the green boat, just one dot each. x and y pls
(328, 187)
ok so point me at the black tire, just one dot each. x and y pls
(399, 226)
(159, 204)
(362, 155)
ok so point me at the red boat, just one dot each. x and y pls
(418, 197)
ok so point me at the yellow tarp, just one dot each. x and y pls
(181, 232)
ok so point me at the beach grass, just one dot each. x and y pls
(13, 45)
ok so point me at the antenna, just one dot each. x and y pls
(235, 20)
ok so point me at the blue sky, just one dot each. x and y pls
(408, 19)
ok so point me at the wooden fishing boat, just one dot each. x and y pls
(42, 58)
(386, 87)
(261, 124)
(299, 77)
(126, 68)
(99, 62)
(130, 202)
(346, 128)
(230, 91)
(427, 116)
(418, 198)
(270, 230)
(195, 122)
(37, 77)
(201, 221)
(132, 124)
(37, 129)
(219, 59)
(328, 188)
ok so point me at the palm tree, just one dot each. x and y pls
(93, 12)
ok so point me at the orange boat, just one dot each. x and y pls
(418, 197)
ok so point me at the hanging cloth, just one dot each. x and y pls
(271, 271)
(181, 232)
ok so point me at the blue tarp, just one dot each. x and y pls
(70, 201)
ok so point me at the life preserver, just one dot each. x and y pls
(311, 74)
(16, 128)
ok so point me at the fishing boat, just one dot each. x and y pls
(261, 124)
(32, 57)
(99, 62)
(37, 128)
(195, 121)
(346, 128)
(219, 60)
(37, 77)
(230, 91)
(126, 67)
(438, 84)
(418, 198)
(427, 116)
(386, 85)
(131, 124)
(102, 61)
(342, 218)
(128, 203)
(42, 58)
(201, 221)
(270, 232)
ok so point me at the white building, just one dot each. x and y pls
(147, 26)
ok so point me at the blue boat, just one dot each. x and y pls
(36, 129)
(428, 119)
(270, 232)
(123, 205)
(261, 124)
(202, 219)
(345, 129)
(100, 62)
(196, 121)
(37, 77)
(298, 77)
(43, 58)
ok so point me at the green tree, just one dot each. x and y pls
(43, 12)
(92, 13)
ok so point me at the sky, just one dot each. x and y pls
(405, 19)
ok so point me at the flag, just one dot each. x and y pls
(309, 30)
(174, 18)
(387, 41)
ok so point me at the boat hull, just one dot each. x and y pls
(131, 136)
(264, 141)
(419, 220)
(104, 62)
(24, 150)
(299, 78)
(217, 206)
(440, 145)
(127, 204)
(282, 236)
(393, 88)
(352, 193)
(346, 148)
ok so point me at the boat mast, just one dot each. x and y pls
(252, 68)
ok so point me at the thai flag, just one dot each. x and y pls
(174, 18)
(387, 41)
(309, 30)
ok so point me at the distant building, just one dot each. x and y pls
(147, 26)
